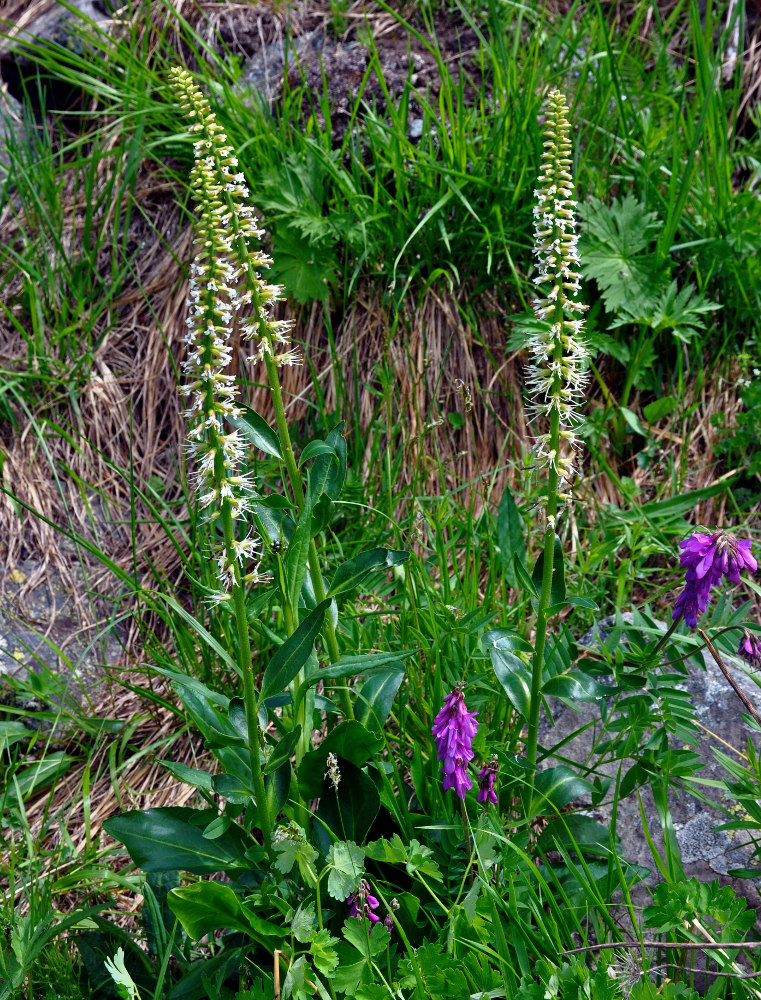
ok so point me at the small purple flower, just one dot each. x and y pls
(707, 558)
(362, 904)
(453, 729)
(750, 649)
(487, 776)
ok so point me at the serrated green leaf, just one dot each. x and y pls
(346, 862)
(323, 952)
(357, 933)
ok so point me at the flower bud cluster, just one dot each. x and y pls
(226, 291)
(557, 375)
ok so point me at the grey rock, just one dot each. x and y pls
(263, 73)
(707, 853)
(415, 130)
(49, 660)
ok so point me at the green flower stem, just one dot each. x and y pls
(537, 666)
(247, 672)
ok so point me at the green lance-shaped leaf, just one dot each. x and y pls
(293, 654)
(510, 536)
(283, 750)
(258, 432)
(351, 573)
(510, 670)
(376, 697)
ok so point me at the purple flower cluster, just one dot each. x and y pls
(453, 729)
(707, 558)
(750, 649)
(362, 904)
(487, 776)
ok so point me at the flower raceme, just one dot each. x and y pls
(557, 376)
(363, 904)
(453, 729)
(707, 558)
(487, 777)
(227, 294)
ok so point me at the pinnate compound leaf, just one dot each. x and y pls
(347, 864)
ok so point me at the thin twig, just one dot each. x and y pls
(738, 691)
(687, 945)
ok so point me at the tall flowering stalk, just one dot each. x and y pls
(556, 378)
(233, 236)
(227, 293)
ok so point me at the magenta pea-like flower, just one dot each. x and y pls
(750, 649)
(453, 729)
(707, 558)
(487, 777)
(363, 904)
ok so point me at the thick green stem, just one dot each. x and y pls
(545, 594)
(247, 673)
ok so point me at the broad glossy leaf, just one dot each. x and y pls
(258, 432)
(509, 669)
(575, 686)
(171, 838)
(233, 787)
(556, 787)
(351, 811)
(205, 907)
(349, 740)
(277, 785)
(315, 448)
(293, 654)
(574, 830)
(351, 573)
(376, 697)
